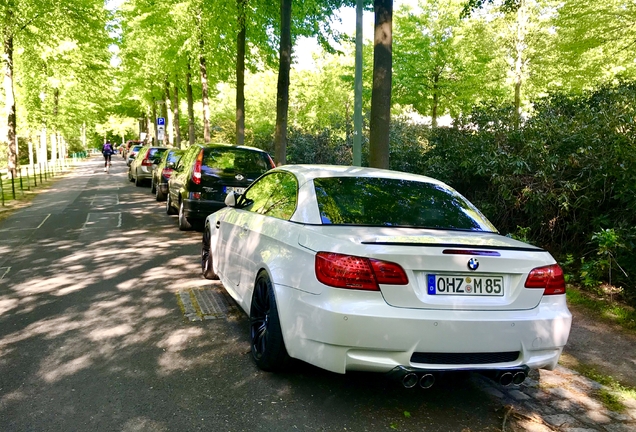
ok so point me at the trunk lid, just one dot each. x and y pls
(437, 265)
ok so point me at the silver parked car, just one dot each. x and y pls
(144, 163)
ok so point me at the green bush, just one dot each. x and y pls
(567, 174)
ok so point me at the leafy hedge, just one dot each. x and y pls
(564, 180)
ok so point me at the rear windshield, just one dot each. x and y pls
(136, 148)
(230, 161)
(174, 156)
(155, 153)
(394, 202)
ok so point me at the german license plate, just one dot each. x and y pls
(238, 190)
(465, 285)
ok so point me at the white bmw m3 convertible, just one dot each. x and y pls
(351, 268)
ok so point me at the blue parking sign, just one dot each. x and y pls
(161, 121)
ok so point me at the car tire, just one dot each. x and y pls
(266, 336)
(184, 224)
(137, 182)
(153, 188)
(159, 196)
(130, 177)
(207, 260)
(169, 209)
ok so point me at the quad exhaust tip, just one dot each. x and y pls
(411, 379)
(513, 376)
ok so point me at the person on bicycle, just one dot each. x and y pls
(107, 151)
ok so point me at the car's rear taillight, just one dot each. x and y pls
(196, 173)
(146, 161)
(550, 278)
(353, 272)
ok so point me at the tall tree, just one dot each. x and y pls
(240, 73)
(282, 97)
(381, 92)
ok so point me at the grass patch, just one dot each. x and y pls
(614, 392)
(610, 400)
(612, 312)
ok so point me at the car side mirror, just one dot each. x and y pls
(230, 199)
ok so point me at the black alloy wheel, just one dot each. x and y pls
(207, 261)
(266, 336)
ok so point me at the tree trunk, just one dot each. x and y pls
(191, 137)
(240, 74)
(435, 100)
(169, 121)
(12, 154)
(357, 102)
(282, 98)
(154, 119)
(54, 135)
(204, 95)
(520, 46)
(164, 114)
(175, 115)
(381, 93)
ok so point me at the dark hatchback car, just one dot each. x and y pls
(206, 174)
(163, 171)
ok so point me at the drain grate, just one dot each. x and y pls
(205, 303)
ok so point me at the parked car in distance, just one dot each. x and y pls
(129, 144)
(351, 268)
(132, 153)
(206, 173)
(163, 171)
(142, 167)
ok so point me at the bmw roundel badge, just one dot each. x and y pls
(473, 264)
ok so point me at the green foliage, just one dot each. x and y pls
(567, 174)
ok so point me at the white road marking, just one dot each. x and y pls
(26, 229)
(5, 272)
(105, 200)
(47, 216)
(102, 220)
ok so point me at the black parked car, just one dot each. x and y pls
(163, 171)
(206, 174)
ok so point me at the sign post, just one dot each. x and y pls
(161, 128)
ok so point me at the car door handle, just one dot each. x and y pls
(218, 224)
(244, 228)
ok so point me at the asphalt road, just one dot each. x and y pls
(92, 337)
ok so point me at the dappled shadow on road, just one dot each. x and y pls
(91, 337)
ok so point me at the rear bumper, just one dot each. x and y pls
(144, 173)
(200, 209)
(341, 331)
